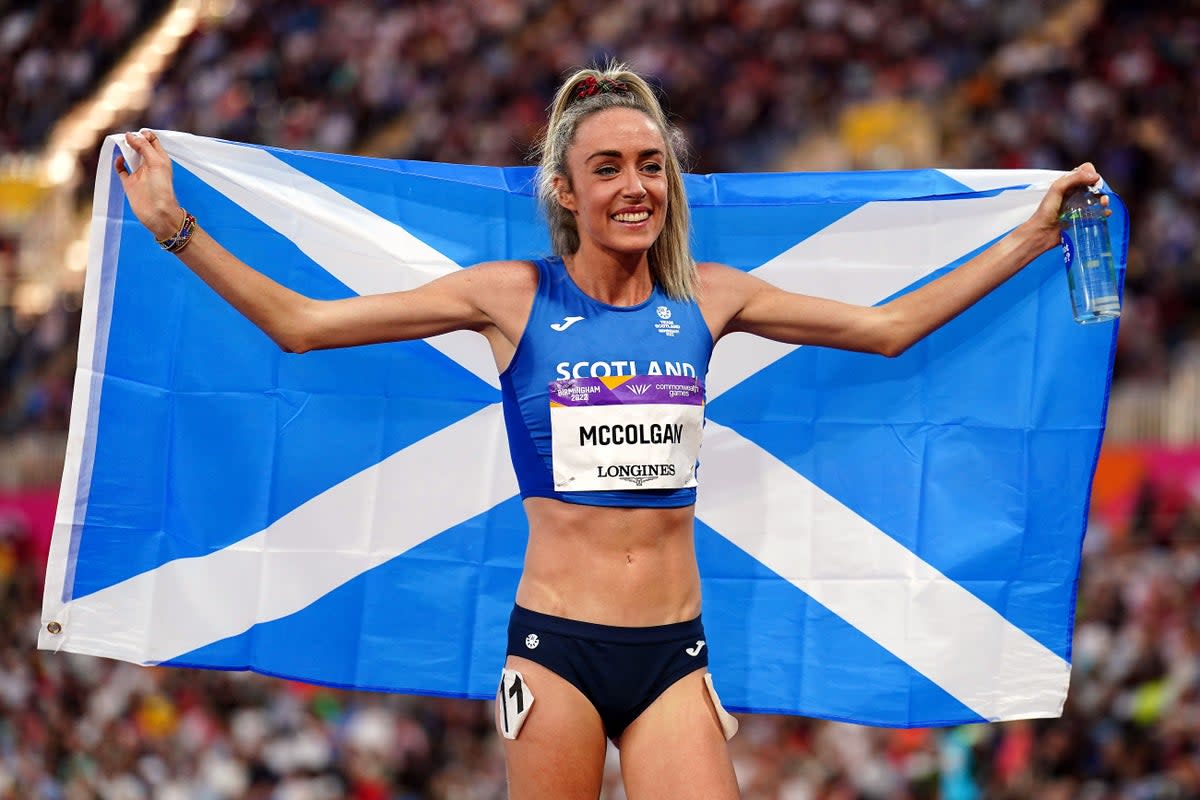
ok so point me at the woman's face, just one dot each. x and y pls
(618, 187)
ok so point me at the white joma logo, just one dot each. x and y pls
(695, 651)
(566, 323)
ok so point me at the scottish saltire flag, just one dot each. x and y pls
(889, 541)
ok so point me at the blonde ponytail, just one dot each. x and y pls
(616, 86)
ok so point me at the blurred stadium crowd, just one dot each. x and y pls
(748, 80)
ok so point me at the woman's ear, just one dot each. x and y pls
(563, 193)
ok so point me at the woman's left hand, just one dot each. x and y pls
(1044, 222)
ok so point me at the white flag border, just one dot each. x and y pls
(85, 401)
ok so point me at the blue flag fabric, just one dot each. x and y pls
(886, 541)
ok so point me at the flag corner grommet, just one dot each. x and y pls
(54, 627)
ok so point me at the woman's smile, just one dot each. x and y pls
(637, 215)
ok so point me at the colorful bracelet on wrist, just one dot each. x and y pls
(173, 244)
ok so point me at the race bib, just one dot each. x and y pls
(630, 432)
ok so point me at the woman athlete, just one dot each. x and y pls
(606, 634)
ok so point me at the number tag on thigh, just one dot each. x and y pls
(513, 700)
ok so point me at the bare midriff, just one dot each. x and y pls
(614, 566)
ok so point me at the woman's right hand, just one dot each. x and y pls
(150, 189)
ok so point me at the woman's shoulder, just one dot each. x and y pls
(720, 277)
(507, 266)
(709, 268)
(503, 290)
(509, 274)
(723, 291)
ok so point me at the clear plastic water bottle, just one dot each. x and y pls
(1091, 273)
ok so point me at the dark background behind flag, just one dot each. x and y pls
(757, 86)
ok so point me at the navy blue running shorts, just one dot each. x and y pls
(620, 670)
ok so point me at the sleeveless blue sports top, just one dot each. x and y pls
(571, 335)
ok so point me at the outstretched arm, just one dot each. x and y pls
(468, 299)
(754, 306)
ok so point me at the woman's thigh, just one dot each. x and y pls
(559, 752)
(675, 750)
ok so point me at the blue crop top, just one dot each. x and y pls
(571, 335)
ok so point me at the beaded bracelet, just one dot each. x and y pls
(173, 244)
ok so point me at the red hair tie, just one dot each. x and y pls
(590, 86)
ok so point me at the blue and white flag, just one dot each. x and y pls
(888, 541)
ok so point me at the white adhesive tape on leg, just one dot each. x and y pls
(513, 701)
(729, 723)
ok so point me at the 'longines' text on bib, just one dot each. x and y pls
(631, 432)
